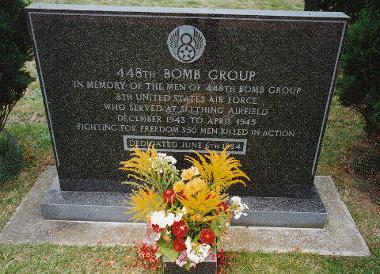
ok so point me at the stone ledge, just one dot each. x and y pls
(83, 206)
(339, 237)
(110, 207)
(284, 212)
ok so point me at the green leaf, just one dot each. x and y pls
(196, 238)
(158, 254)
(218, 227)
(167, 250)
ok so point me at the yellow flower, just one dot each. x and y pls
(178, 186)
(188, 174)
(202, 203)
(194, 186)
(144, 201)
(220, 170)
(196, 218)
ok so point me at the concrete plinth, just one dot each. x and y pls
(110, 207)
(284, 212)
(83, 206)
(339, 237)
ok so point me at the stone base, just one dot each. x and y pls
(83, 206)
(110, 207)
(339, 237)
(285, 212)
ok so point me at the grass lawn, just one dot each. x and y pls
(27, 125)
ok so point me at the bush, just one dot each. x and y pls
(349, 7)
(360, 84)
(14, 52)
(10, 156)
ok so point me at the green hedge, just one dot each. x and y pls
(14, 52)
(360, 85)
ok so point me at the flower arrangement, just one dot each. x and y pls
(186, 211)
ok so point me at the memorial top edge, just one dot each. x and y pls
(211, 12)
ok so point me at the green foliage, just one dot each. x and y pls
(10, 156)
(217, 226)
(167, 250)
(360, 85)
(350, 7)
(14, 52)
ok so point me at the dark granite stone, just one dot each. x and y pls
(201, 268)
(208, 266)
(274, 114)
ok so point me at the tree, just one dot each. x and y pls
(14, 52)
(349, 7)
(314, 5)
(360, 84)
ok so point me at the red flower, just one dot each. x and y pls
(157, 229)
(169, 196)
(223, 207)
(180, 229)
(207, 236)
(179, 244)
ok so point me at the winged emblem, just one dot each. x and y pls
(199, 40)
(174, 39)
(186, 43)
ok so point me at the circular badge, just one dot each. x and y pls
(186, 43)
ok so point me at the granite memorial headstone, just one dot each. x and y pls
(188, 79)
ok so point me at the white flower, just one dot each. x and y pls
(171, 160)
(158, 218)
(192, 256)
(238, 207)
(236, 199)
(178, 217)
(161, 219)
(204, 250)
(170, 219)
(198, 253)
(180, 214)
(168, 159)
(188, 244)
(238, 215)
(162, 155)
(193, 170)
